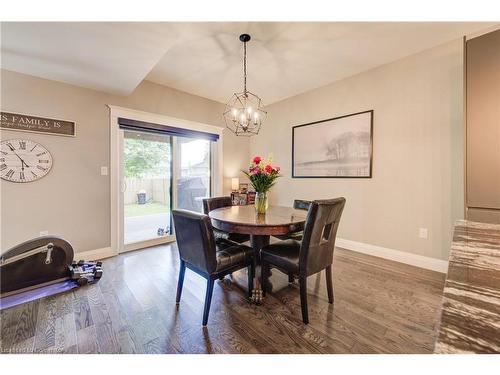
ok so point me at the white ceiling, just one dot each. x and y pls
(110, 57)
(284, 59)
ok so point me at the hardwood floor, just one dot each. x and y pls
(380, 307)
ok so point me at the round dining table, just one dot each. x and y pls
(278, 220)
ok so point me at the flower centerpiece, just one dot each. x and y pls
(262, 176)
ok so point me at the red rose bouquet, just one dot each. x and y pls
(262, 176)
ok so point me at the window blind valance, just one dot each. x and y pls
(130, 124)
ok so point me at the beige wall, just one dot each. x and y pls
(418, 150)
(73, 200)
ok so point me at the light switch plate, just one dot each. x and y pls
(104, 171)
(423, 233)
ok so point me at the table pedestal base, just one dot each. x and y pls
(258, 242)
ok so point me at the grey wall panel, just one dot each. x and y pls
(483, 121)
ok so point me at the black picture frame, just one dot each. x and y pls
(332, 119)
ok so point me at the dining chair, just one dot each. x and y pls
(298, 204)
(210, 204)
(199, 252)
(311, 255)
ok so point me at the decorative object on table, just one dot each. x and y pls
(240, 195)
(235, 198)
(23, 160)
(243, 199)
(251, 197)
(35, 124)
(337, 147)
(244, 113)
(239, 199)
(262, 176)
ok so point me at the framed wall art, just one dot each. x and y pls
(340, 147)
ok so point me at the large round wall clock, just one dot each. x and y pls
(22, 160)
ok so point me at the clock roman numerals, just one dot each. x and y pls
(23, 160)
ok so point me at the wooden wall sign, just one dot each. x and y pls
(35, 124)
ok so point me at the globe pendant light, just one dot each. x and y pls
(244, 113)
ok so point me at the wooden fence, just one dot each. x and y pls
(157, 189)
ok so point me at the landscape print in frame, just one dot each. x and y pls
(339, 147)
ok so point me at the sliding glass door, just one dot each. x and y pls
(147, 188)
(193, 164)
(160, 171)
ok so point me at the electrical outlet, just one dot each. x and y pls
(104, 171)
(423, 233)
(44, 233)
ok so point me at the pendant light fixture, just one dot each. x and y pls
(244, 113)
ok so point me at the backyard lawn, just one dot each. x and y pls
(149, 208)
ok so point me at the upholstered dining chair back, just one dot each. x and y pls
(210, 204)
(195, 239)
(300, 204)
(320, 231)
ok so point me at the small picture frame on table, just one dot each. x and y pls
(251, 197)
(238, 199)
(243, 199)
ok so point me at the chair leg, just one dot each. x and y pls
(251, 274)
(290, 278)
(329, 283)
(303, 298)
(208, 300)
(180, 282)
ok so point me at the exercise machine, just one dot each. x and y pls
(42, 267)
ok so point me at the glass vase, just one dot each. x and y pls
(261, 203)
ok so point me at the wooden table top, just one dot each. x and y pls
(244, 219)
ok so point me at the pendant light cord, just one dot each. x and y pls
(245, 67)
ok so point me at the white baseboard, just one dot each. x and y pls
(396, 255)
(95, 254)
(433, 264)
